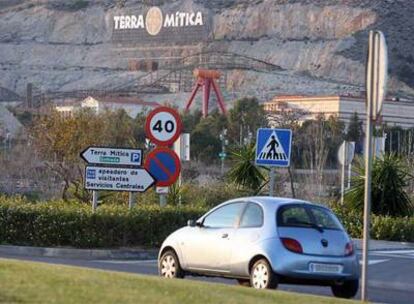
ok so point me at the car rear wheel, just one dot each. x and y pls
(262, 275)
(347, 289)
(169, 266)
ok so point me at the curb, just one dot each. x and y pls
(84, 254)
(376, 245)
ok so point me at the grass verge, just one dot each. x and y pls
(28, 282)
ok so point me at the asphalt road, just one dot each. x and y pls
(391, 274)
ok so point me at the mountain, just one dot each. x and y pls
(262, 48)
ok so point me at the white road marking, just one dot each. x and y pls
(373, 262)
(409, 252)
(406, 254)
(126, 261)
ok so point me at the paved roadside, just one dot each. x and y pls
(82, 254)
(147, 253)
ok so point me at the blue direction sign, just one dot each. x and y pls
(164, 165)
(273, 147)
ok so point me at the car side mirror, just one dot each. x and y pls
(199, 224)
(191, 223)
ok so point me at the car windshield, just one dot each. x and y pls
(307, 216)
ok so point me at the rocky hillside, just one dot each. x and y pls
(68, 45)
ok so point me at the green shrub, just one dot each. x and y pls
(60, 223)
(382, 227)
(390, 179)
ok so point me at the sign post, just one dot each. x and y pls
(115, 169)
(346, 154)
(118, 179)
(112, 156)
(273, 147)
(182, 149)
(94, 200)
(130, 200)
(163, 127)
(376, 82)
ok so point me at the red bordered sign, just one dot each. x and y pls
(164, 165)
(163, 126)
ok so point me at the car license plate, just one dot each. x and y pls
(325, 268)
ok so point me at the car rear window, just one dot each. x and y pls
(307, 216)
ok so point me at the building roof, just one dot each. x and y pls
(125, 100)
(310, 98)
(122, 100)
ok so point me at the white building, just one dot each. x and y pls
(131, 105)
(394, 113)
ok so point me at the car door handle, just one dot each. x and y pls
(225, 235)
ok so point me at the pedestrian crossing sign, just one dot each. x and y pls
(273, 147)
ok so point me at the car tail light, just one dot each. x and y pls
(349, 249)
(292, 245)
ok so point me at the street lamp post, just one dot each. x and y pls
(224, 143)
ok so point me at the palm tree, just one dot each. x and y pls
(245, 173)
(389, 180)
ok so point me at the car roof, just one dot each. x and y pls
(272, 201)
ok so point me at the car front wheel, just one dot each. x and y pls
(347, 289)
(169, 266)
(262, 275)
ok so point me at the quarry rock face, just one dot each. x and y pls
(320, 48)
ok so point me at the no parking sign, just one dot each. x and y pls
(164, 165)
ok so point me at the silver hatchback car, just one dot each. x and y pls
(264, 241)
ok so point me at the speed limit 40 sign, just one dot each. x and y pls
(163, 126)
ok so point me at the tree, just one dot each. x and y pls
(205, 142)
(355, 132)
(190, 120)
(244, 172)
(59, 141)
(246, 116)
(389, 180)
(317, 142)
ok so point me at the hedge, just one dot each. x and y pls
(73, 224)
(382, 227)
(59, 223)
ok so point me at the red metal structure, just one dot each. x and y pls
(206, 79)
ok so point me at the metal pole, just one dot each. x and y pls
(367, 205)
(179, 189)
(130, 200)
(367, 194)
(272, 174)
(343, 173)
(349, 175)
(163, 200)
(94, 200)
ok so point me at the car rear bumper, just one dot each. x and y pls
(295, 265)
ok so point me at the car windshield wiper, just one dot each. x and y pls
(315, 226)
